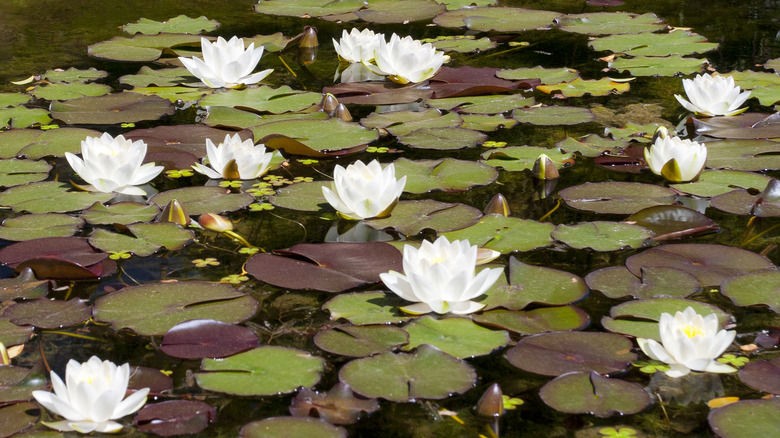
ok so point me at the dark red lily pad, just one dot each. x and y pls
(330, 267)
(111, 109)
(154, 379)
(762, 375)
(175, 417)
(473, 81)
(62, 258)
(710, 264)
(376, 93)
(553, 354)
(48, 314)
(291, 146)
(747, 202)
(670, 222)
(199, 338)
(591, 393)
(337, 406)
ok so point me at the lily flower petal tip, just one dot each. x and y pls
(689, 342)
(226, 64)
(357, 46)
(713, 96)
(235, 158)
(675, 159)
(441, 277)
(364, 191)
(92, 396)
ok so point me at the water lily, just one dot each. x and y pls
(363, 191)
(357, 46)
(675, 159)
(226, 63)
(689, 341)
(91, 396)
(440, 277)
(406, 60)
(235, 159)
(113, 164)
(713, 95)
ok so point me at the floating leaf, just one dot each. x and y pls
(411, 217)
(716, 182)
(458, 337)
(33, 226)
(545, 319)
(66, 258)
(580, 87)
(391, 11)
(179, 24)
(72, 74)
(367, 308)
(483, 122)
(654, 44)
(175, 417)
(640, 318)
(463, 44)
(337, 406)
(145, 239)
(111, 109)
(656, 281)
(443, 138)
(602, 235)
(12, 334)
(18, 383)
(601, 23)
(24, 286)
(264, 99)
(283, 427)
(534, 284)
(199, 200)
(301, 196)
(38, 144)
(165, 77)
(446, 174)
(747, 126)
(761, 287)
(124, 213)
(473, 81)
(746, 419)
(616, 197)
(546, 75)
(140, 48)
(320, 135)
(313, 8)
(13, 99)
(262, 371)
(483, 104)
(48, 314)
(591, 145)
(553, 115)
(16, 172)
(360, 341)
(49, 197)
(404, 122)
(199, 338)
(517, 158)
(743, 154)
(498, 19)
(506, 234)
(18, 417)
(21, 117)
(658, 65)
(591, 393)
(762, 375)
(71, 90)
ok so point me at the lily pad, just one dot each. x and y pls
(33, 226)
(367, 308)
(554, 354)
(67, 258)
(746, 419)
(38, 144)
(602, 23)
(320, 135)
(16, 172)
(312, 8)
(12, 334)
(200, 338)
(391, 11)
(401, 377)
(716, 182)
(179, 24)
(672, 221)
(18, 383)
(762, 375)
(165, 77)
(174, 94)
(640, 318)
(360, 341)
(616, 197)
(517, 158)
(282, 427)
(580, 87)
(752, 155)
(48, 314)
(534, 284)
(458, 337)
(654, 44)
(13, 99)
(761, 287)
(747, 126)
(506, 234)
(602, 235)
(49, 197)
(152, 309)
(72, 74)
(443, 138)
(553, 115)
(546, 75)
(404, 122)
(633, 132)
(71, 90)
(498, 19)
(656, 281)
(337, 406)
(24, 286)
(411, 217)
(199, 200)
(111, 109)
(124, 213)
(591, 145)
(592, 393)
(266, 370)
(710, 264)
(446, 174)
(140, 48)
(301, 196)
(145, 239)
(264, 99)
(545, 319)
(175, 417)
(21, 117)
(485, 123)
(493, 104)
(658, 65)
(17, 417)
(462, 44)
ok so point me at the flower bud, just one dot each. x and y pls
(498, 205)
(341, 112)
(309, 37)
(215, 222)
(491, 404)
(544, 168)
(174, 212)
(329, 103)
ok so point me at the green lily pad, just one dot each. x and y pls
(603, 23)
(49, 197)
(48, 314)
(367, 308)
(592, 145)
(15, 172)
(313, 8)
(305, 196)
(658, 65)
(483, 104)
(392, 11)
(320, 135)
(557, 353)
(766, 95)
(762, 375)
(709, 263)
(140, 48)
(591, 393)
(38, 144)
(199, 200)
(580, 87)
(506, 234)
(13, 99)
(486, 122)
(111, 109)
(18, 383)
(401, 377)
(124, 213)
(21, 117)
(443, 138)
(458, 337)
(640, 318)
(146, 239)
(411, 217)
(656, 281)
(24, 286)
(534, 284)
(462, 43)
(616, 197)
(72, 74)
(71, 90)
(761, 287)
(517, 158)
(602, 235)
(446, 174)
(179, 24)
(264, 99)
(164, 77)
(546, 75)
(283, 427)
(633, 132)
(152, 309)
(717, 182)
(404, 122)
(33, 226)
(745, 202)
(266, 370)
(750, 155)
(12, 334)
(545, 319)
(498, 19)
(654, 44)
(750, 79)
(239, 119)
(360, 341)
(553, 115)
(746, 419)
(185, 94)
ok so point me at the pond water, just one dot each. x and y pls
(544, 289)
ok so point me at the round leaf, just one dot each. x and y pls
(362, 341)
(446, 174)
(602, 235)
(762, 287)
(591, 393)
(459, 337)
(747, 419)
(199, 338)
(616, 197)
(284, 427)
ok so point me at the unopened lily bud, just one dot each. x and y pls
(342, 113)
(309, 38)
(329, 103)
(660, 132)
(544, 168)
(498, 205)
(491, 404)
(175, 212)
(215, 222)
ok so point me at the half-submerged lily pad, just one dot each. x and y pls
(746, 419)
(402, 377)
(592, 393)
(360, 341)
(534, 284)
(446, 174)
(111, 109)
(337, 406)
(266, 370)
(760, 287)
(199, 338)
(62, 258)
(616, 197)
(283, 427)
(459, 337)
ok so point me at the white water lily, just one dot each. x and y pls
(91, 396)
(713, 95)
(357, 46)
(226, 63)
(406, 60)
(235, 159)
(440, 277)
(689, 341)
(113, 164)
(675, 159)
(363, 191)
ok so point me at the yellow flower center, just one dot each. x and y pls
(692, 331)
